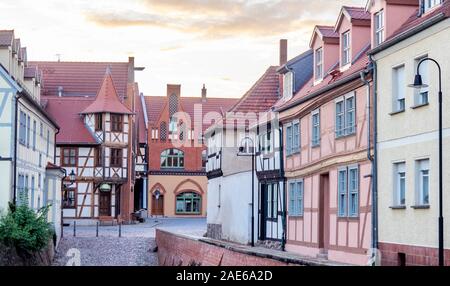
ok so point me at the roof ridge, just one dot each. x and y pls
(75, 62)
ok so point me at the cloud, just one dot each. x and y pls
(223, 18)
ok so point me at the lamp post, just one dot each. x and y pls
(72, 178)
(418, 83)
(242, 152)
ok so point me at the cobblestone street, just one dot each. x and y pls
(133, 248)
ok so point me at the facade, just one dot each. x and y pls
(96, 105)
(327, 158)
(28, 134)
(407, 143)
(177, 154)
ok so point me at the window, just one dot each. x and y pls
(204, 159)
(421, 96)
(429, 4)
(348, 191)
(346, 55)
(265, 143)
(319, 64)
(69, 157)
(22, 197)
(48, 143)
(296, 137)
(296, 198)
(272, 201)
(399, 89)
(41, 130)
(99, 157)
(23, 128)
(379, 28)
(289, 139)
(34, 134)
(173, 125)
(172, 158)
(69, 201)
(99, 122)
(32, 192)
(423, 182)
(288, 84)
(116, 157)
(28, 131)
(399, 184)
(345, 116)
(315, 128)
(116, 123)
(163, 131)
(188, 203)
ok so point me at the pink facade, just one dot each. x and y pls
(325, 227)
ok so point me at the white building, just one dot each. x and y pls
(27, 149)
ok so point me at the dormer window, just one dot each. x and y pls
(319, 64)
(346, 56)
(288, 83)
(379, 27)
(98, 122)
(430, 4)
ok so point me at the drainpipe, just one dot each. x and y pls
(18, 96)
(284, 218)
(374, 160)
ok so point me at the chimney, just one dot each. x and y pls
(204, 92)
(130, 69)
(283, 52)
(174, 89)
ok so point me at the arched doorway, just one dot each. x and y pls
(157, 203)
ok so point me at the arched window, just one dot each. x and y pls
(189, 203)
(173, 105)
(172, 158)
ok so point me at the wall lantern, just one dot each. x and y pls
(105, 188)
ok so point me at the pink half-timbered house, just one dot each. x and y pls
(327, 156)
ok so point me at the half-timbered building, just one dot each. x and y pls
(327, 158)
(27, 171)
(177, 153)
(97, 107)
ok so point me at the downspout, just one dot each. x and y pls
(54, 146)
(18, 96)
(284, 215)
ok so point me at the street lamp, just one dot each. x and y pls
(418, 84)
(72, 179)
(243, 151)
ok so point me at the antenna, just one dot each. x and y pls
(58, 56)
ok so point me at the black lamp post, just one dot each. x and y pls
(418, 83)
(72, 178)
(243, 152)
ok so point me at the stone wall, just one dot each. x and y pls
(410, 255)
(214, 231)
(10, 256)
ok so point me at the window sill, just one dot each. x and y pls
(296, 216)
(315, 146)
(398, 207)
(420, 105)
(421, 207)
(397, 112)
(347, 218)
(345, 136)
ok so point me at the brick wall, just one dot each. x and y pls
(413, 255)
(177, 250)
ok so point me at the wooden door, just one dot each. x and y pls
(158, 205)
(263, 212)
(105, 204)
(324, 212)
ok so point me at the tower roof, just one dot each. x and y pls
(107, 99)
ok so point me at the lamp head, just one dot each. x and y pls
(418, 82)
(72, 177)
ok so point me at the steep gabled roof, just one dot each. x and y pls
(107, 99)
(6, 38)
(356, 15)
(325, 33)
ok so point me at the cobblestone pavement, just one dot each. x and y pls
(133, 248)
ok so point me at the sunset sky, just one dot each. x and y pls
(225, 44)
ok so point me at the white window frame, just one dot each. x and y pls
(342, 192)
(296, 138)
(348, 126)
(318, 64)
(399, 199)
(430, 4)
(422, 172)
(315, 138)
(421, 96)
(346, 192)
(399, 88)
(379, 27)
(346, 49)
(288, 85)
(289, 137)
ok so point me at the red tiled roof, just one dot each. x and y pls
(81, 78)
(6, 37)
(309, 88)
(66, 112)
(327, 31)
(262, 95)
(155, 105)
(357, 13)
(416, 20)
(107, 99)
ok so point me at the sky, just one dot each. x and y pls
(225, 44)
